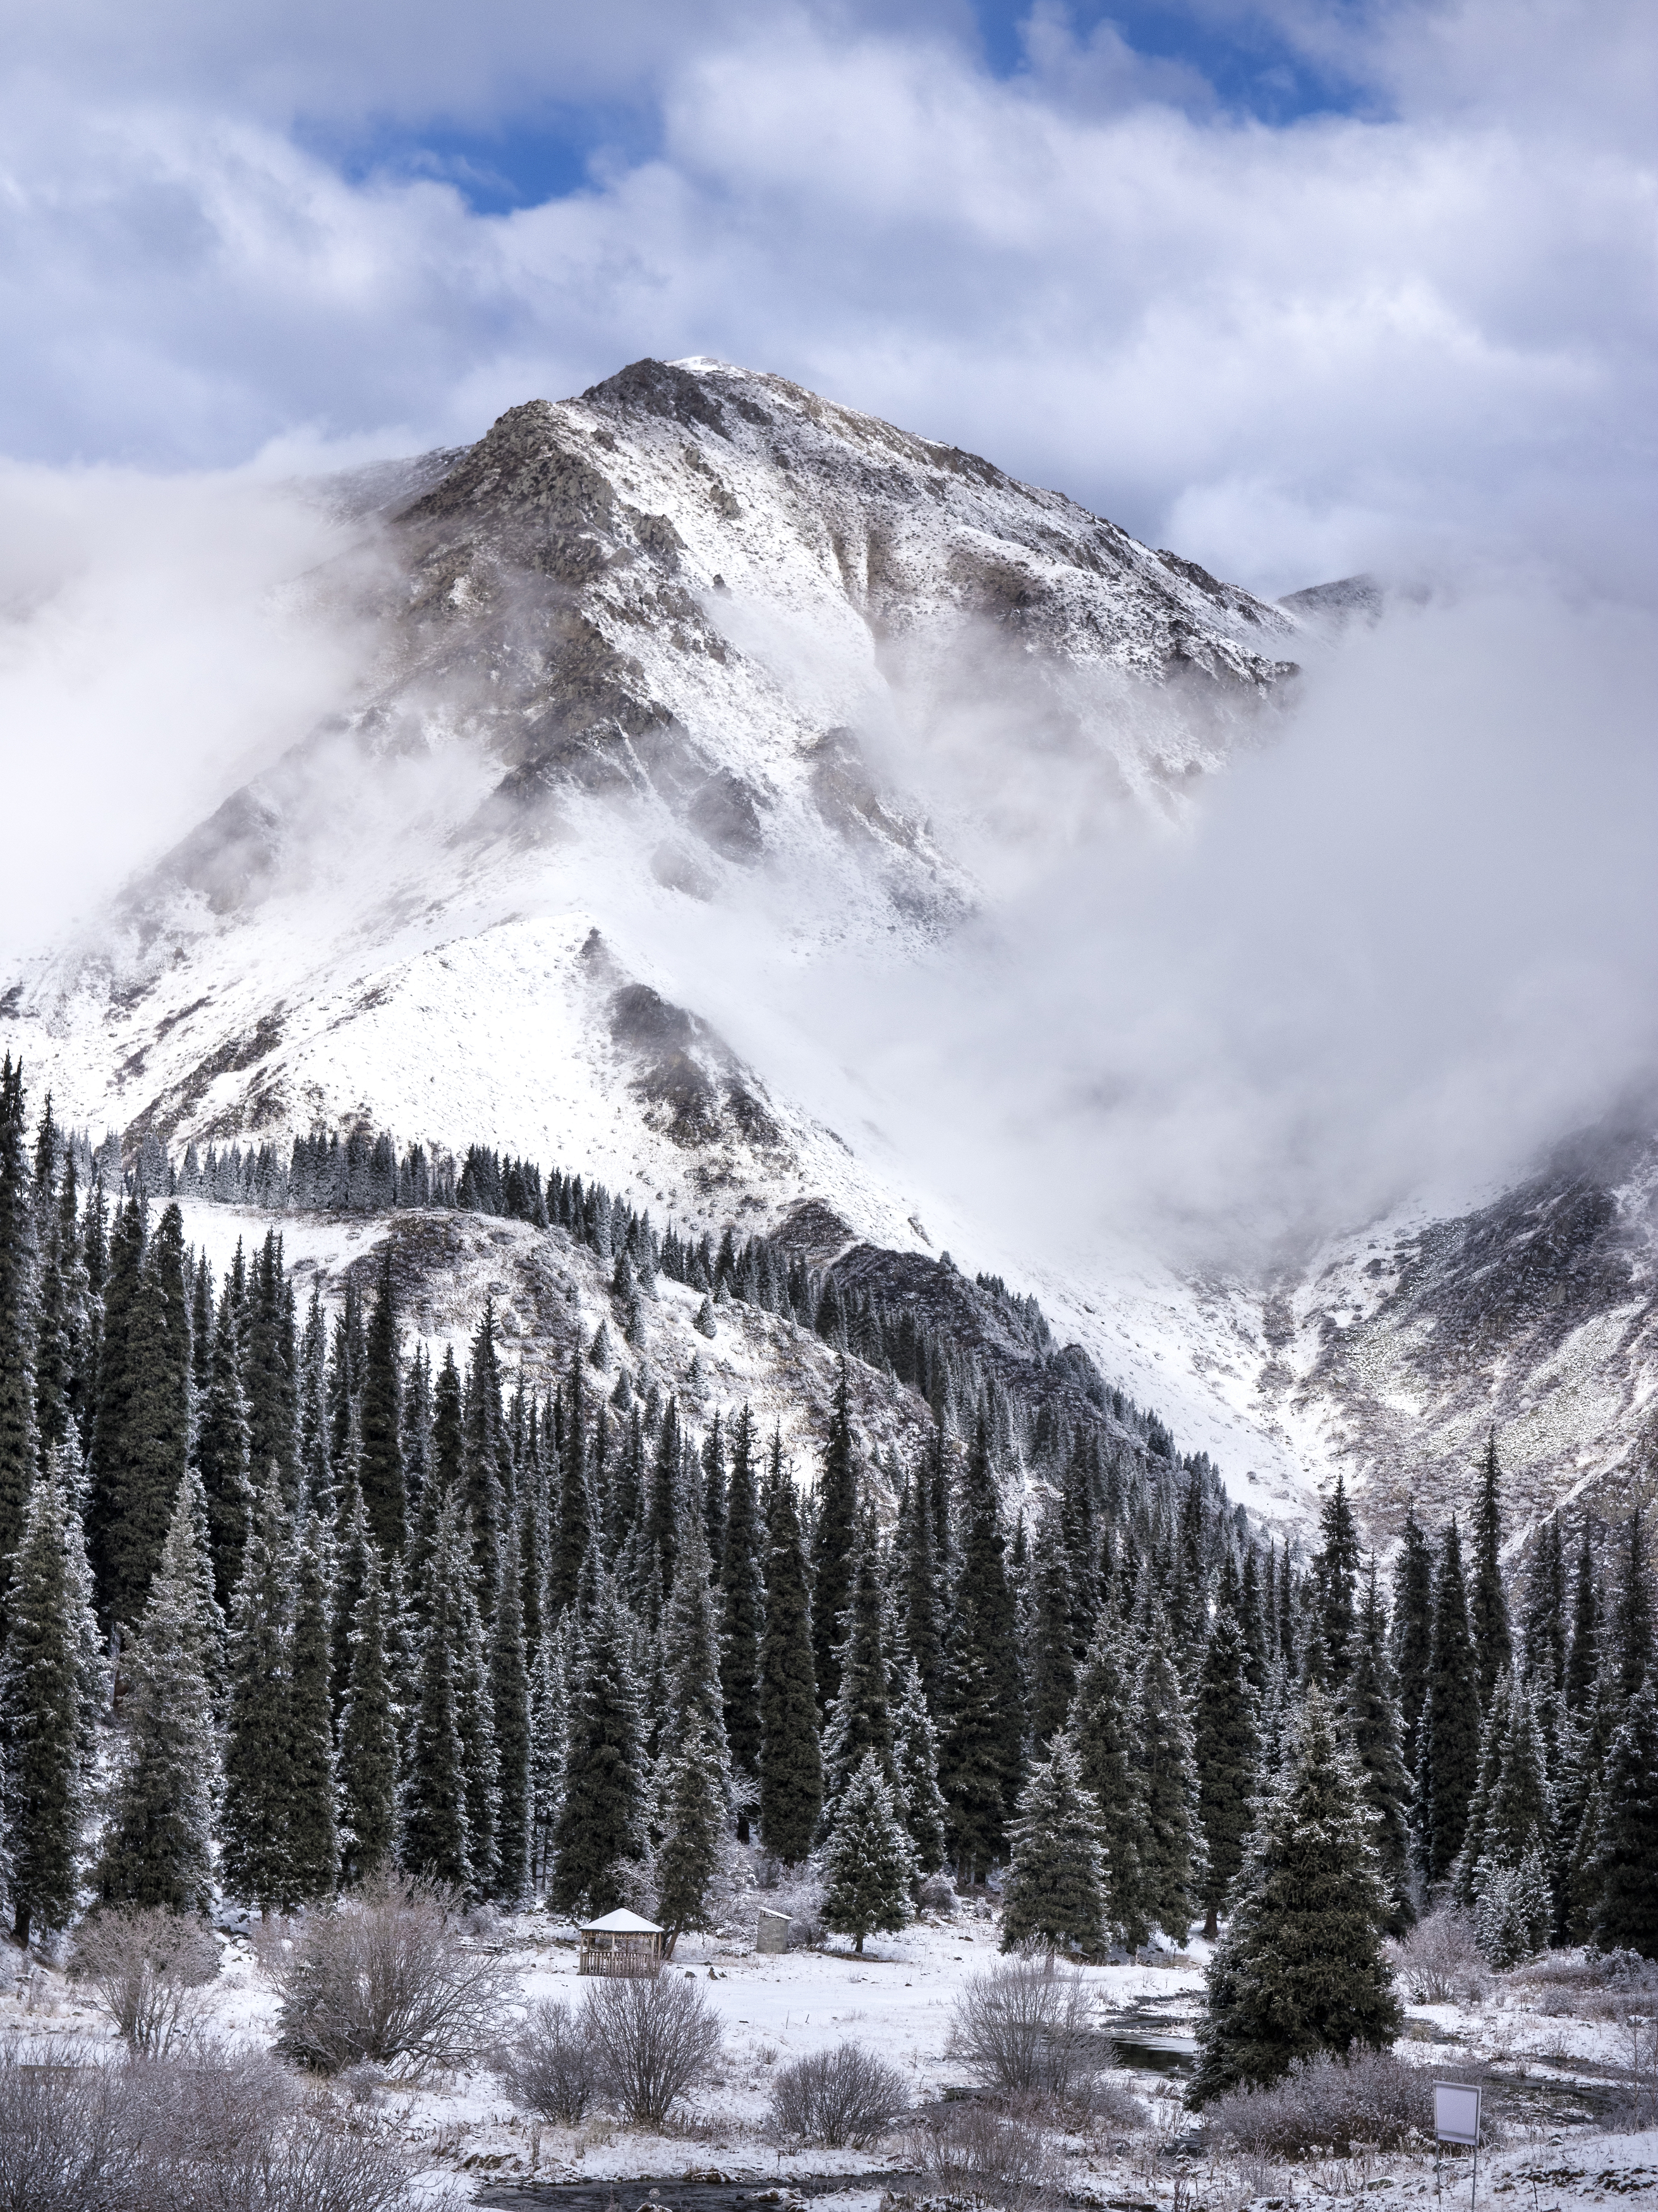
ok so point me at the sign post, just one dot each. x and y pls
(1456, 2120)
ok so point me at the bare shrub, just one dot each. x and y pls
(217, 2132)
(388, 1974)
(1025, 2029)
(62, 2145)
(989, 2154)
(1111, 2103)
(1439, 1962)
(142, 1968)
(651, 2035)
(833, 2098)
(1326, 2103)
(549, 2065)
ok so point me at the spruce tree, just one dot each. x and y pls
(143, 1460)
(158, 1849)
(45, 1763)
(1584, 1657)
(271, 1372)
(834, 1545)
(1633, 1623)
(1336, 1574)
(475, 1713)
(1055, 1890)
(1448, 1743)
(693, 1800)
(368, 1741)
(313, 1844)
(1171, 1841)
(1626, 1858)
(1300, 1969)
(436, 1833)
(741, 1603)
(574, 1520)
(259, 1794)
(1547, 1615)
(860, 1719)
(1493, 1749)
(791, 1766)
(915, 1762)
(110, 1445)
(1228, 1754)
(1373, 1711)
(918, 1557)
(1488, 1608)
(19, 1438)
(979, 1741)
(510, 1696)
(1053, 1661)
(550, 1745)
(224, 1442)
(601, 1823)
(1103, 1732)
(869, 1865)
(380, 1414)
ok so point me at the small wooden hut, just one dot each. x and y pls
(621, 1943)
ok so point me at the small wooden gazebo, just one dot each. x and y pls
(621, 1943)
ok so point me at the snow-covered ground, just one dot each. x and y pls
(898, 1999)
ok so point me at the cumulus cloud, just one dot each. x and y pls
(1385, 337)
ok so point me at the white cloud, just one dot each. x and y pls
(1343, 342)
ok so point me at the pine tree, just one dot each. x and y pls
(1300, 1968)
(1632, 1627)
(834, 1545)
(860, 1719)
(791, 1766)
(1171, 1842)
(41, 1719)
(271, 1374)
(601, 1824)
(1447, 1744)
(1228, 1754)
(1054, 1890)
(109, 1443)
(1412, 1634)
(693, 1819)
(1626, 1858)
(979, 1741)
(19, 1438)
(1373, 1711)
(475, 1715)
(1488, 1609)
(510, 1695)
(576, 1508)
(1336, 1573)
(869, 1866)
(1546, 1615)
(915, 1761)
(918, 1557)
(223, 1442)
(1103, 1732)
(1578, 1815)
(549, 1747)
(314, 1845)
(258, 1738)
(1493, 1749)
(1052, 1662)
(1583, 1658)
(159, 1847)
(742, 1598)
(381, 1417)
(436, 1833)
(368, 1741)
(143, 1460)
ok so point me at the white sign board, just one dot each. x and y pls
(1457, 2113)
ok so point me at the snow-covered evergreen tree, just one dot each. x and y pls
(1055, 1890)
(869, 1864)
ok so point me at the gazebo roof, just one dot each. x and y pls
(620, 1924)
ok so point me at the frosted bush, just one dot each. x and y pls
(836, 2098)
(549, 2065)
(1439, 1961)
(1329, 2103)
(986, 2153)
(142, 1967)
(1027, 2029)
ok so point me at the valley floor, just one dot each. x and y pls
(1558, 2085)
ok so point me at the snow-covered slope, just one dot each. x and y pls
(685, 683)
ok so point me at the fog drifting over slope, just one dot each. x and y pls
(1390, 954)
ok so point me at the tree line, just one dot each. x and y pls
(338, 1605)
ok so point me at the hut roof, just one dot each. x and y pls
(620, 1924)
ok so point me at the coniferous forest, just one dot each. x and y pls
(290, 1599)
